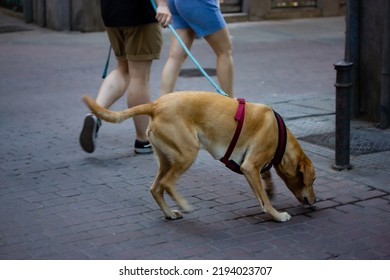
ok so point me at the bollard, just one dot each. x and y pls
(343, 114)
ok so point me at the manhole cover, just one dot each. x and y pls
(195, 72)
(12, 28)
(362, 141)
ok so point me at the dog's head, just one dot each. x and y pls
(299, 179)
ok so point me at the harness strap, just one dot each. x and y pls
(282, 140)
(239, 117)
(282, 143)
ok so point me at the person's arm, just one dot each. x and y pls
(163, 14)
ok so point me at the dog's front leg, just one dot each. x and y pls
(252, 175)
(269, 184)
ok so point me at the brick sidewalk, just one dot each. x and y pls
(56, 202)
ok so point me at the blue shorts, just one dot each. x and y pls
(203, 16)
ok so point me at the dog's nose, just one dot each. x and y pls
(307, 202)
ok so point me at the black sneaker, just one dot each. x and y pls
(89, 132)
(141, 147)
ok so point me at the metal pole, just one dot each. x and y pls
(343, 114)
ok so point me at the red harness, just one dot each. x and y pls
(239, 117)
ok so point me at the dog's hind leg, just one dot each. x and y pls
(168, 183)
(253, 177)
(157, 190)
(169, 171)
(176, 146)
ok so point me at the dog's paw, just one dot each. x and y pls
(283, 217)
(187, 208)
(184, 205)
(174, 215)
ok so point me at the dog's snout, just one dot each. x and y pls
(308, 202)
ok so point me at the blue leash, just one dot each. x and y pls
(107, 62)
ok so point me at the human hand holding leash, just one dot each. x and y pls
(163, 14)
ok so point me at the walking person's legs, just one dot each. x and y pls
(135, 48)
(112, 88)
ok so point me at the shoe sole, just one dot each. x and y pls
(143, 151)
(88, 134)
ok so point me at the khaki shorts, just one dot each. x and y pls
(140, 42)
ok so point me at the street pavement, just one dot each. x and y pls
(57, 202)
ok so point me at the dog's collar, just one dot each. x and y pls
(282, 140)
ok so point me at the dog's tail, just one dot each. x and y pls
(117, 117)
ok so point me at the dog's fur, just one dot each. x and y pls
(183, 122)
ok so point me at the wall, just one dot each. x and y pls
(65, 15)
(371, 59)
(84, 15)
(262, 9)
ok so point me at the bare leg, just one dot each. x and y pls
(175, 60)
(132, 76)
(222, 46)
(114, 86)
(138, 93)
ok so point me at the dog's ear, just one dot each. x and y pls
(307, 170)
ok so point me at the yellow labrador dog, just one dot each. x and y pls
(184, 122)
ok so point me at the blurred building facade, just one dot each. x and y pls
(84, 15)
